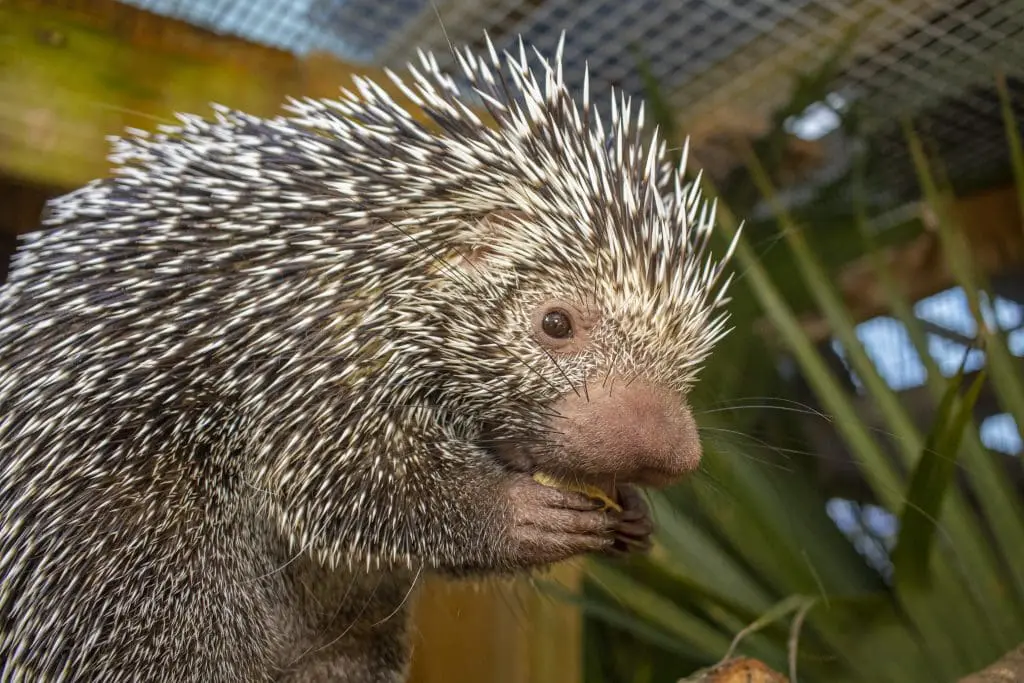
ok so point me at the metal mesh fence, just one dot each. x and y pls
(728, 62)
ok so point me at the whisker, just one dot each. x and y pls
(134, 112)
(444, 30)
(767, 403)
(355, 620)
(763, 444)
(785, 409)
(560, 370)
(405, 599)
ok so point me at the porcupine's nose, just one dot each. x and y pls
(636, 432)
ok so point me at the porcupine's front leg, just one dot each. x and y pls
(550, 525)
(545, 525)
(506, 521)
(344, 625)
(363, 666)
(466, 514)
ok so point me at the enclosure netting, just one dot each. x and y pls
(717, 60)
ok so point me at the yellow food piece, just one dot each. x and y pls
(585, 489)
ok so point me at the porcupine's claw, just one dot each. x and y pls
(634, 527)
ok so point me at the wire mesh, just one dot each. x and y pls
(935, 59)
(719, 60)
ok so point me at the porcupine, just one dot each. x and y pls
(268, 372)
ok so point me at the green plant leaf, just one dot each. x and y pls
(782, 608)
(931, 480)
(1002, 367)
(617, 616)
(1000, 505)
(644, 602)
(1013, 139)
(758, 532)
(961, 526)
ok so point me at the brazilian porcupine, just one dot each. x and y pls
(255, 382)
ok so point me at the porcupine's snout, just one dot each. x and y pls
(629, 432)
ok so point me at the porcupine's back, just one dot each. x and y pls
(147, 336)
(141, 334)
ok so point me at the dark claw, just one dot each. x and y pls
(634, 507)
(633, 528)
(641, 529)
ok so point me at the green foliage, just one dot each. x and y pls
(748, 545)
(930, 482)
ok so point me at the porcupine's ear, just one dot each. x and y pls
(476, 249)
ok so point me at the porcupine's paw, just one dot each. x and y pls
(549, 525)
(634, 526)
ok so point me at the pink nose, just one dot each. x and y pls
(637, 432)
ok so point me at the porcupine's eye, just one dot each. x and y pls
(560, 326)
(557, 325)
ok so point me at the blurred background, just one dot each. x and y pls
(860, 512)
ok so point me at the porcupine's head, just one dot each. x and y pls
(575, 290)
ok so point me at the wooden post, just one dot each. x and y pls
(498, 632)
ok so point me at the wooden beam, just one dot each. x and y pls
(22, 203)
(72, 73)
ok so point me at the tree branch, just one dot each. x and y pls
(1009, 669)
